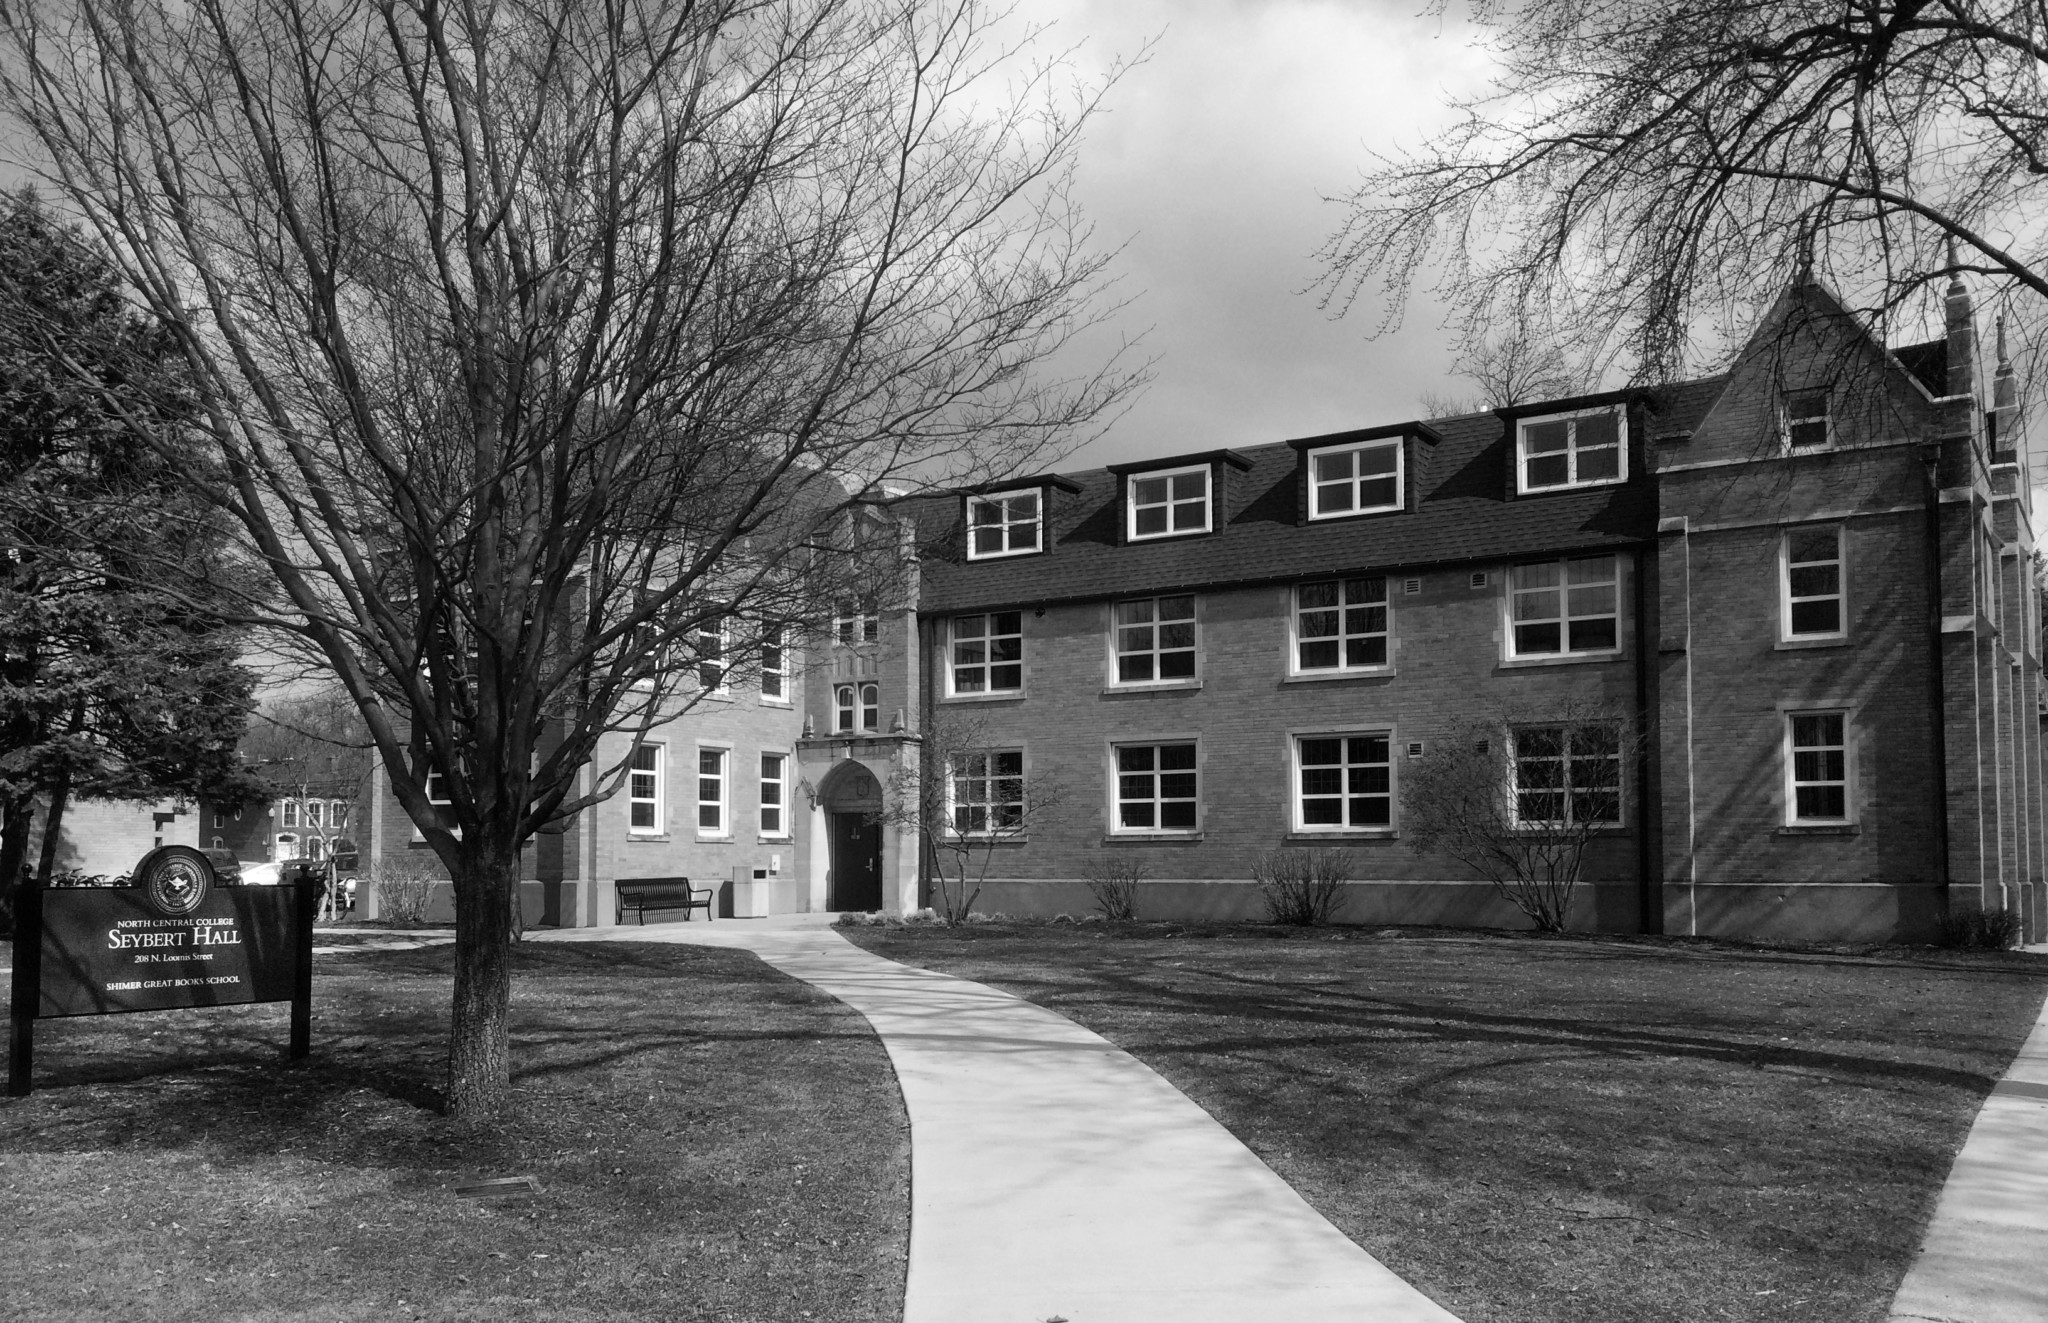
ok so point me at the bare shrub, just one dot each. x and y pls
(1978, 930)
(405, 888)
(1113, 881)
(1302, 886)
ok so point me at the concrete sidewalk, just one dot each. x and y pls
(1055, 1175)
(1985, 1258)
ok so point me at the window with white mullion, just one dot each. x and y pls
(988, 653)
(1819, 766)
(643, 790)
(1155, 640)
(711, 796)
(1158, 787)
(1341, 625)
(988, 792)
(1166, 504)
(774, 661)
(1565, 608)
(1572, 450)
(1344, 782)
(1004, 524)
(774, 794)
(1568, 775)
(1359, 479)
(1813, 583)
(1806, 422)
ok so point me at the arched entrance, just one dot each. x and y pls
(852, 798)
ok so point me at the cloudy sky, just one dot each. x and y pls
(1212, 164)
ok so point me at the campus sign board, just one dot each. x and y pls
(105, 950)
(173, 941)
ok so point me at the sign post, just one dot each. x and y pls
(21, 1006)
(158, 946)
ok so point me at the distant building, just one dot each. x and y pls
(108, 838)
(1807, 584)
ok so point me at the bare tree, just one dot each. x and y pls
(311, 749)
(1651, 173)
(1521, 800)
(1515, 366)
(967, 799)
(550, 347)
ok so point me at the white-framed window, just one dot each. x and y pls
(1158, 787)
(1341, 625)
(857, 707)
(1155, 640)
(290, 815)
(855, 622)
(775, 794)
(1565, 608)
(220, 819)
(644, 814)
(337, 815)
(709, 641)
(312, 813)
(1344, 782)
(1810, 583)
(1168, 503)
(439, 798)
(1803, 416)
(315, 848)
(1817, 767)
(1005, 524)
(988, 653)
(774, 675)
(1365, 478)
(988, 792)
(711, 791)
(219, 844)
(1568, 775)
(1584, 448)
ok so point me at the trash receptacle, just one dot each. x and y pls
(749, 892)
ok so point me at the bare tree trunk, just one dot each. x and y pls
(53, 827)
(479, 1060)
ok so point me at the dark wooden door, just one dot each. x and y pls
(856, 863)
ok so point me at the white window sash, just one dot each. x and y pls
(1356, 483)
(1171, 504)
(1574, 450)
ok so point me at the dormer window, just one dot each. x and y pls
(1169, 502)
(1354, 480)
(1806, 424)
(1587, 448)
(1005, 524)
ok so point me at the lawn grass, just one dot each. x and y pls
(1567, 1130)
(711, 1140)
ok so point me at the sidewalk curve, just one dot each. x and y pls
(1054, 1175)
(1985, 1257)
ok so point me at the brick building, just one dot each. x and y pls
(1803, 590)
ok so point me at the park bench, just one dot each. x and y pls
(641, 894)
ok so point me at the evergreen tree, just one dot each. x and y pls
(119, 676)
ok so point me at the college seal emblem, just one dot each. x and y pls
(174, 880)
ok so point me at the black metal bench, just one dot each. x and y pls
(641, 894)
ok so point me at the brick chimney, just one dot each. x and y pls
(2005, 403)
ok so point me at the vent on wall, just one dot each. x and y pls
(1479, 578)
(1411, 585)
(1415, 748)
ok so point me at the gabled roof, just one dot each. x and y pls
(1465, 515)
